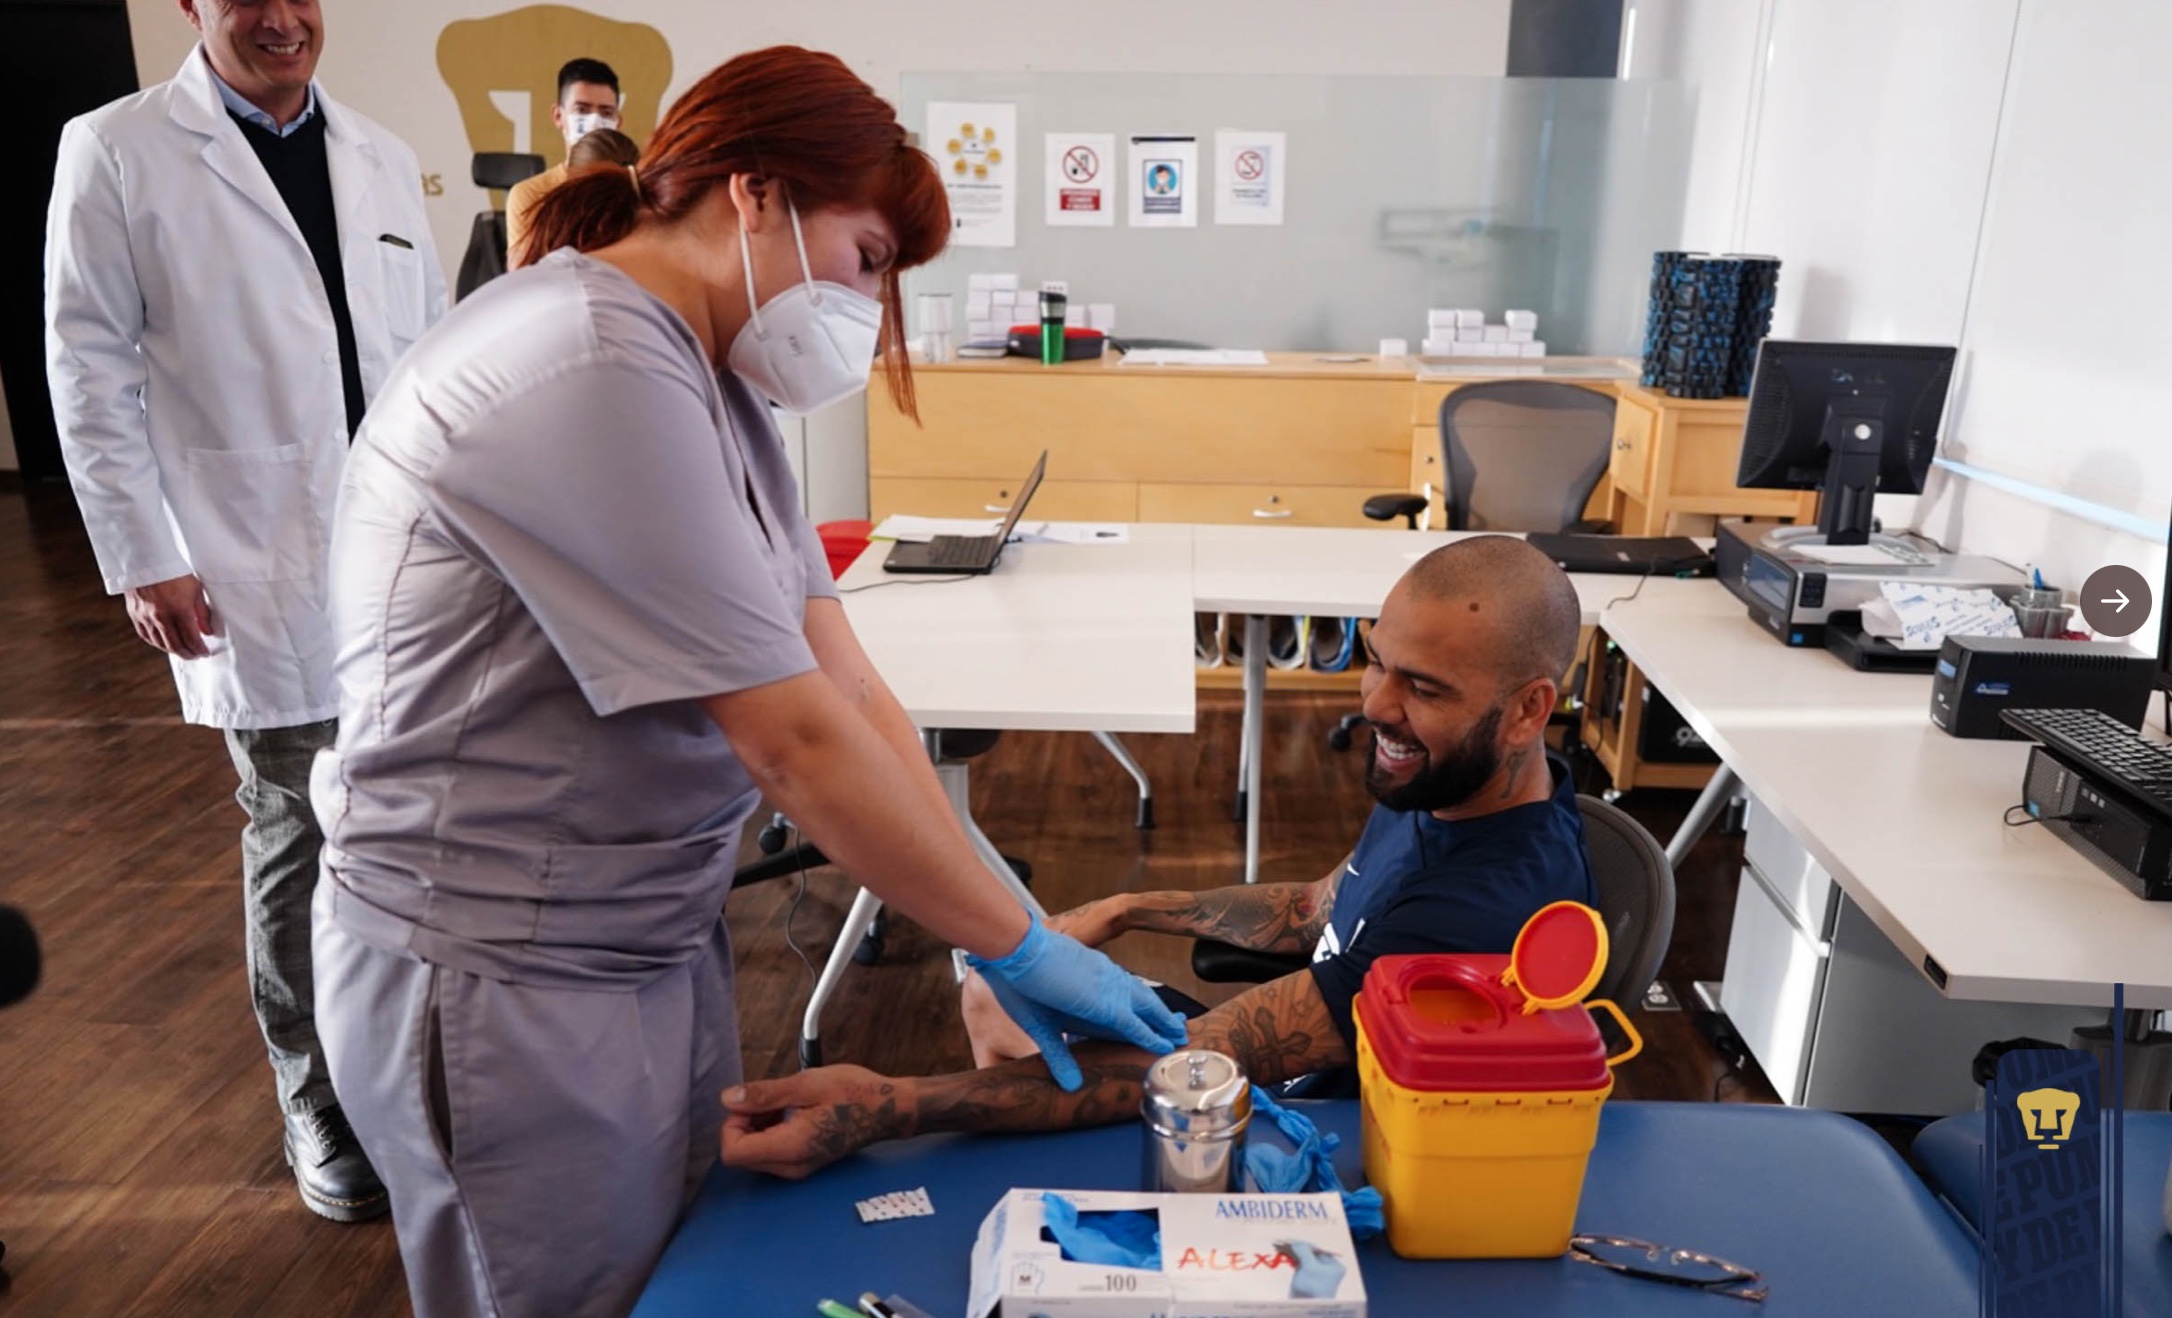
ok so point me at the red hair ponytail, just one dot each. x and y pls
(797, 116)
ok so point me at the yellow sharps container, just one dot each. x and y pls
(1482, 1080)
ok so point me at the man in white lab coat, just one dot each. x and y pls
(234, 262)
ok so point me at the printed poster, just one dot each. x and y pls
(1080, 186)
(1164, 182)
(1248, 170)
(975, 146)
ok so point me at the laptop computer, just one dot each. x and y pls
(966, 555)
(1658, 555)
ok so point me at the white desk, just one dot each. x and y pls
(1906, 819)
(1843, 1003)
(1281, 571)
(1059, 638)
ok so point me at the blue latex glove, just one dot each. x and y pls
(1319, 1273)
(1053, 984)
(1121, 1239)
(1310, 1170)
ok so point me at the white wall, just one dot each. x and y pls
(1975, 172)
(380, 55)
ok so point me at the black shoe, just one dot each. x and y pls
(334, 1174)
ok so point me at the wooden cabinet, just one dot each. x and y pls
(1063, 501)
(1674, 459)
(1263, 505)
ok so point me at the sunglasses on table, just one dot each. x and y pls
(1664, 1263)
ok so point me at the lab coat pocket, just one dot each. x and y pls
(407, 312)
(249, 514)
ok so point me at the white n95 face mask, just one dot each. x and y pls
(810, 345)
(579, 126)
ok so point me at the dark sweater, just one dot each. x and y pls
(300, 170)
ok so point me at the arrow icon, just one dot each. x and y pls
(2118, 601)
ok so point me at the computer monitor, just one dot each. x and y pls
(2164, 631)
(1846, 418)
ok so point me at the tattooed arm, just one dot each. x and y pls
(1261, 917)
(796, 1125)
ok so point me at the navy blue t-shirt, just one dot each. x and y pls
(1418, 884)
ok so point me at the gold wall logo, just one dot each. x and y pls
(2048, 1115)
(495, 64)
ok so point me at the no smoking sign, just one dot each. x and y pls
(1250, 166)
(1080, 164)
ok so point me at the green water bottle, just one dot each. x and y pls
(1054, 296)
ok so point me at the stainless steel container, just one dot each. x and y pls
(1195, 1109)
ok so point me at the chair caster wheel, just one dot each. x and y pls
(1238, 811)
(1022, 868)
(1339, 739)
(810, 1054)
(771, 840)
(1146, 812)
(1610, 795)
(869, 952)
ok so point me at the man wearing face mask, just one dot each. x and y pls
(587, 101)
(1476, 829)
(583, 627)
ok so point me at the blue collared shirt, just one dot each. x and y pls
(244, 109)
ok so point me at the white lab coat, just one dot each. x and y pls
(195, 370)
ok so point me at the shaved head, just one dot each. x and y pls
(1515, 594)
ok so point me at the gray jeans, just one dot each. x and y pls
(279, 847)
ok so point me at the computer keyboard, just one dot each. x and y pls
(2103, 747)
(959, 550)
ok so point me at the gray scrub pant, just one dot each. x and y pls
(539, 1143)
(279, 847)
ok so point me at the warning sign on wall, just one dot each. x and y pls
(1080, 191)
(1248, 176)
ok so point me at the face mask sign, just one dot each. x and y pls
(809, 346)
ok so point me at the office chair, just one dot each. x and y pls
(1540, 447)
(1636, 900)
(1516, 455)
(486, 255)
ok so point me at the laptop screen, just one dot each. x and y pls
(1018, 505)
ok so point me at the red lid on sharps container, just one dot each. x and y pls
(1490, 1023)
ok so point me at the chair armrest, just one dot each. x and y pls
(1222, 963)
(1388, 507)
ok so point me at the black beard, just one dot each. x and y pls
(1448, 782)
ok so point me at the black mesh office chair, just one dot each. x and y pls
(1516, 455)
(486, 255)
(1636, 899)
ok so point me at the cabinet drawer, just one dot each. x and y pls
(1257, 505)
(1796, 878)
(1057, 501)
(1631, 465)
(1774, 985)
(1425, 470)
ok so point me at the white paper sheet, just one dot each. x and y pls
(1194, 357)
(1079, 181)
(1248, 176)
(1875, 554)
(1914, 616)
(1164, 182)
(911, 529)
(975, 145)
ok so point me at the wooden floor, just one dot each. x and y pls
(140, 1170)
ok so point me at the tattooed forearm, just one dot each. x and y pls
(1277, 1032)
(1020, 1096)
(1265, 917)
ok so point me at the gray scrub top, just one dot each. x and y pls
(558, 529)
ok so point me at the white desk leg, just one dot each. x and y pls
(1116, 749)
(1247, 734)
(1714, 799)
(952, 777)
(1255, 710)
(864, 909)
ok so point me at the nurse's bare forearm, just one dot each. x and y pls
(838, 652)
(821, 762)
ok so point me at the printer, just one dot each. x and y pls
(1794, 583)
